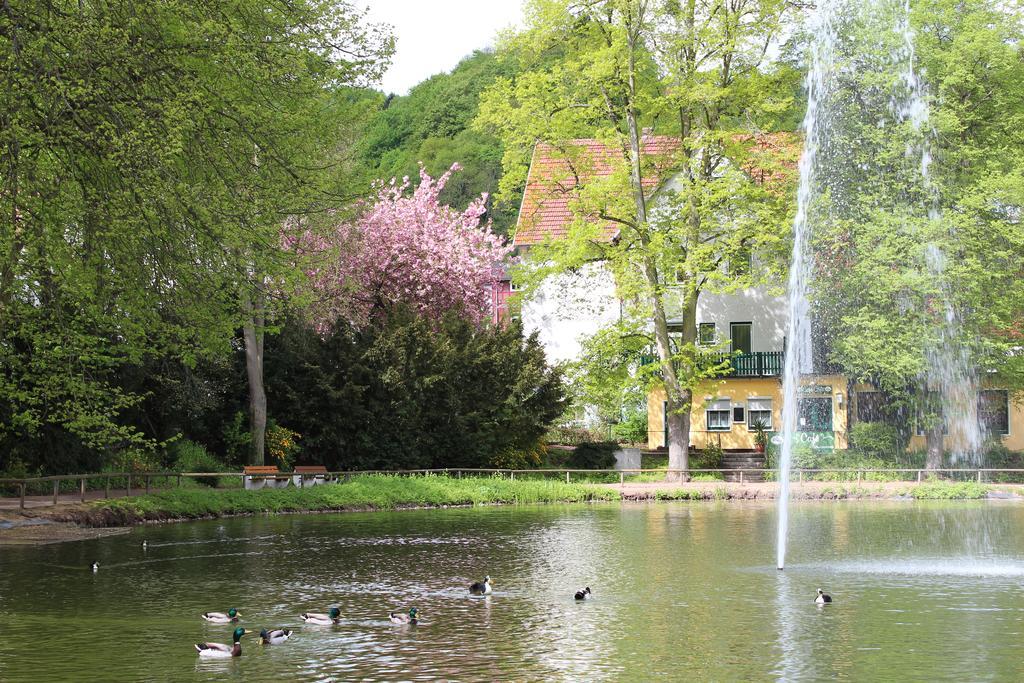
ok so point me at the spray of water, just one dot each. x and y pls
(798, 337)
(949, 372)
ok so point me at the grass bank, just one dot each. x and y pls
(364, 492)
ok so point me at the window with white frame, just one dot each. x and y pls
(719, 415)
(759, 410)
(706, 334)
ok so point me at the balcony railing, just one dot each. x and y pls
(756, 364)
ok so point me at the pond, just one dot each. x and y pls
(680, 590)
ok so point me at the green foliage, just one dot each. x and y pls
(760, 434)
(877, 439)
(710, 458)
(411, 392)
(633, 429)
(949, 490)
(192, 457)
(376, 491)
(599, 455)
(236, 438)
(431, 125)
(150, 151)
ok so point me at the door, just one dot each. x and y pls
(740, 334)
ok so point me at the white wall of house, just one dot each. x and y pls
(568, 308)
(766, 313)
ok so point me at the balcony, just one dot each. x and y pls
(756, 364)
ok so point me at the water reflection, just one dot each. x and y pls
(680, 590)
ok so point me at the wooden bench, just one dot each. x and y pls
(258, 476)
(309, 475)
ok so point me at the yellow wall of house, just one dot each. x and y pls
(740, 390)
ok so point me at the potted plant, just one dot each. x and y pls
(760, 435)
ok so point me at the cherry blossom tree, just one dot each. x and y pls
(403, 249)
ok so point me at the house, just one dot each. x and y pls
(747, 327)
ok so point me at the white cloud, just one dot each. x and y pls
(433, 35)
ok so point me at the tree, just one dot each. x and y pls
(431, 125)
(402, 251)
(699, 71)
(148, 153)
(882, 225)
(411, 390)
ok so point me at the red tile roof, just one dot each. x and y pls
(556, 173)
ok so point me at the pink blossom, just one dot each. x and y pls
(403, 249)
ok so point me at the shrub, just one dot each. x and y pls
(192, 457)
(519, 459)
(708, 459)
(570, 435)
(595, 455)
(282, 446)
(633, 429)
(876, 439)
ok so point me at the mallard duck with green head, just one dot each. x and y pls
(275, 636)
(220, 650)
(332, 618)
(405, 618)
(222, 617)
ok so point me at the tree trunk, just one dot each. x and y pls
(933, 438)
(252, 333)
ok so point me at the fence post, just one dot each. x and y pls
(979, 476)
(128, 491)
(179, 481)
(512, 476)
(106, 486)
(22, 495)
(800, 476)
(81, 488)
(147, 483)
(622, 478)
(858, 476)
(741, 476)
(56, 490)
(919, 476)
(567, 476)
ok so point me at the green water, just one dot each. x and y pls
(681, 591)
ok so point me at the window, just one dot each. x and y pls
(513, 286)
(739, 413)
(718, 415)
(815, 415)
(994, 411)
(706, 334)
(740, 335)
(759, 409)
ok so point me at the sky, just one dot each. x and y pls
(433, 35)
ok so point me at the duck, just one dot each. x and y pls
(275, 637)
(400, 618)
(145, 544)
(222, 618)
(583, 594)
(330, 619)
(481, 588)
(95, 566)
(220, 650)
(823, 597)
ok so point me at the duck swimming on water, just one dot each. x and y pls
(220, 650)
(400, 618)
(481, 587)
(95, 566)
(583, 594)
(275, 637)
(823, 597)
(221, 617)
(332, 617)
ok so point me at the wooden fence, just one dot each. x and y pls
(144, 480)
